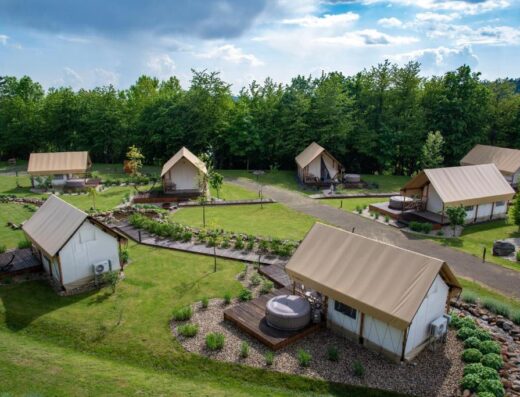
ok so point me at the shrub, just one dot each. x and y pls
(489, 346)
(227, 298)
(304, 358)
(482, 334)
(472, 343)
(420, 227)
(250, 244)
(358, 369)
(468, 322)
(456, 321)
(256, 279)
(267, 286)
(239, 243)
(263, 246)
(182, 314)
(204, 302)
(440, 233)
(269, 358)
(492, 386)
(2, 248)
(111, 279)
(492, 360)
(188, 330)
(515, 317)
(225, 242)
(470, 382)
(471, 356)
(518, 256)
(244, 350)
(387, 219)
(466, 332)
(489, 373)
(376, 215)
(332, 353)
(215, 341)
(245, 295)
(359, 209)
(475, 368)
(496, 307)
(124, 255)
(24, 244)
(186, 236)
(469, 297)
(486, 394)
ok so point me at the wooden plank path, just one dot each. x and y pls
(228, 202)
(250, 318)
(271, 266)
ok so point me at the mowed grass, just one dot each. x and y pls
(273, 220)
(53, 345)
(483, 292)
(106, 200)
(350, 204)
(15, 213)
(229, 192)
(475, 238)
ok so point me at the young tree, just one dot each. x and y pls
(516, 213)
(92, 193)
(135, 160)
(431, 152)
(215, 181)
(457, 216)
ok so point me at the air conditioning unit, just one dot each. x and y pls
(101, 267)
(439, 327)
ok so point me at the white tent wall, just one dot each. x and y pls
(330, 164)
(383, 337)
(184, 174)
(314, 167)
(432, 307)
(340, 321)
(513, 179)
(89, 245)
(434, 203)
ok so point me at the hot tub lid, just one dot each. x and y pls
(288, 306)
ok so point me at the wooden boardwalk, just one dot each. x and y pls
(271, 266)
(19, 261)
(250, 318)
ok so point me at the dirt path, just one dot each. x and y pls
(504, 280)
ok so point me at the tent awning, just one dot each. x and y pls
(58, 163)
(506, 160)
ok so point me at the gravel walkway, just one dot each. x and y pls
(430, 374)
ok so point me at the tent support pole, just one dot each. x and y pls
(361, 329)
(476, 214)
(492, 209)
(442, 215)
(405, 338)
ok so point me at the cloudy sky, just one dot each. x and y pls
(87, 43)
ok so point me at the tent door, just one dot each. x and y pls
(325, 176)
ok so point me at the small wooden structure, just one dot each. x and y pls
(317, 167)
(250, 318)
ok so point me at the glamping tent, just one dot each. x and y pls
(481, 189)
(60, 166)
(180, 174)
(317, 166)
(506, 160)
(73, 246)
(382, 296)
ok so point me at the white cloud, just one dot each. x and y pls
(391, 22)
(490, 35)
(161, 65)
(71, 78)
(74, 39)
(435, 17)
(3, 39)
(366, 37)
(230, 53)
(470, 7)
(105, 77)
(440, 59)
(326, 21)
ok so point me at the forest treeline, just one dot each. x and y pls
(376, 120)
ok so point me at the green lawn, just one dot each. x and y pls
(54, 345)
(105, 200)
(475, 237)
(484, 292)
(15, 213)
(229, 191)
(274, 220)
(350, 205)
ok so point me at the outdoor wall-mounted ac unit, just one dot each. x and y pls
(439, 327)
(101, 267)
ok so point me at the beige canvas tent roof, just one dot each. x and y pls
(58, 163)
(507, 160)
(310, 153)
(379, 279)
(184, 153)
(53, 224)
(465, 185)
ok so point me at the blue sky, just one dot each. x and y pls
(83, 44)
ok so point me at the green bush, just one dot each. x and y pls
(472, 343)
(263, 246)
(468, 322)
(304, 358)
(469, 297)
(471, 356)
(358, 369)
(475, 368)
(24, 244)
(244, 350)
(387, 219)
(225, 242)
(204, 302)
(267, 286)
(256, 279)
(227, 298)
(482, 334)
(420, 227)
(269, 358)
(188, 330)
(440, 233)
(182, 314)
(489, 373)
(466, 332)
(3, 248)
(456, 321)
(518, 256)
(486, 394)
(489, 346)
(215, 341)
(332, 353)
(239, 243)
(250, 244)
(245, 295)
(496, 307)
(470, 382)
(491, 386)
(492, 360)
(359, 209)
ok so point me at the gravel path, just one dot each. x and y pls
(498, 278)
(430, 374)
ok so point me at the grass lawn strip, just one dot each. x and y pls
(15, 213)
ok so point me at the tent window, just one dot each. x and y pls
(500, 203)
(59, 177)
(344, 309)
(469, 208)
(87, 235)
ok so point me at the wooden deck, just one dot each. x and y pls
(250, 318)
(22, 262)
